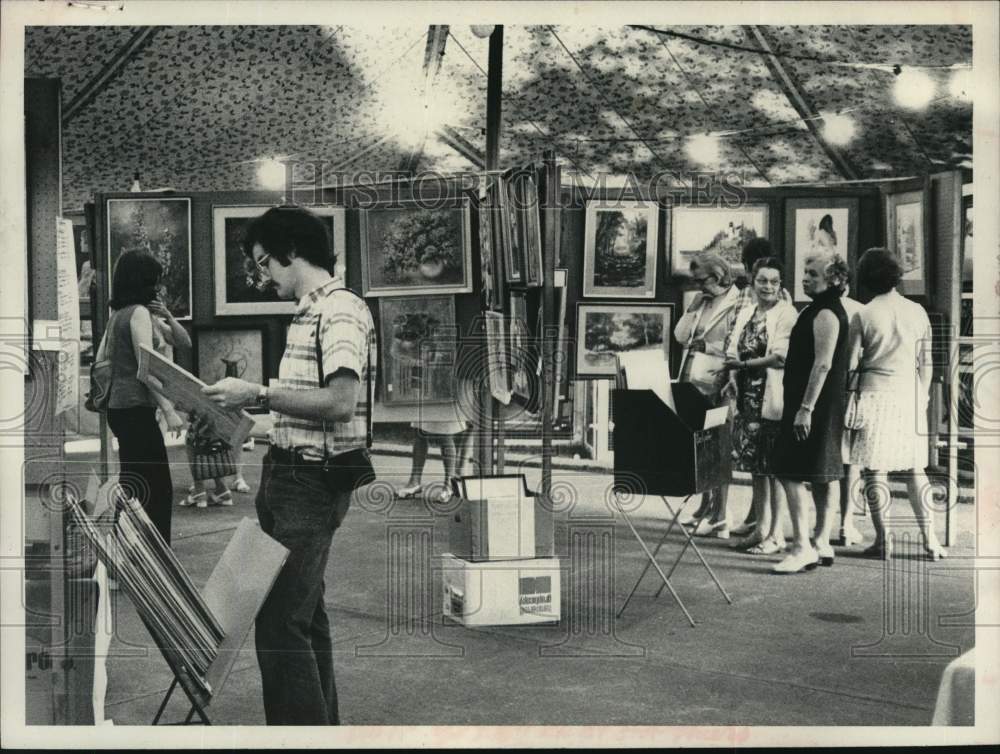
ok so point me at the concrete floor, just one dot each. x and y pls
(822, 648)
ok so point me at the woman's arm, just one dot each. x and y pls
(178, 337)
(141, 329)
(825, 331)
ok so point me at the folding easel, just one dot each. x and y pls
(684, 461)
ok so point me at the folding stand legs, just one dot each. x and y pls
(195, 707)
(651, 556)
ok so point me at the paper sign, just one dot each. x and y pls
(68, 307)
(716, 417)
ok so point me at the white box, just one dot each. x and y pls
(501, 593)
(495, 529)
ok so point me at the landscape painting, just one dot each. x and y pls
(905, 218)
(619, 253)
(717, 229)
(606, 330)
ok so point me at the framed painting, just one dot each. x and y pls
(814, 226)
(407, 248)
(236, 351)
(521, 357)
(562, 350)
(619, 249)
(497, 357)
(162, 226)
(718, 229)
(606, 330)
(513, 254)
(418, 341)
(967, 249)
(905, 237)
(529, 220)
(489, 277)
(235, 289)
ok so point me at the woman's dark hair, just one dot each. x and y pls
(879, 270)
(283, 230)
(136, 275)
(754, 249)
(767, 263)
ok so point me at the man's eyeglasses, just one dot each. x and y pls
(257, 272)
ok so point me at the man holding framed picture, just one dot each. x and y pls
(318, 454)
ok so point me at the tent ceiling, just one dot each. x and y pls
(194, 107)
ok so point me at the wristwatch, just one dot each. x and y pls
(262, 398)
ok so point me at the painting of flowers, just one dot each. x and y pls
(619, 254)
(419, 341)
(721, 230)
(162, 227)
(606, 330)
(407, 248)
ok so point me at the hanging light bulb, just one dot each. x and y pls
(913, 89)
(482, 30)
(838, 129)
(271, 174)
(960, 86)
(704, 149)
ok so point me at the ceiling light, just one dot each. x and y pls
(704, 149)
(913, 89)
(960, 86)
(482, 30)
(271, 175)
(838, 129)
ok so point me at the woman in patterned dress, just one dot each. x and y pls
(755, 361)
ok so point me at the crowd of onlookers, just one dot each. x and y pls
(825, 401)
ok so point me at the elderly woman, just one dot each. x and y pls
(889, 342)
(703, 330)
(808, 448)
(755, 360)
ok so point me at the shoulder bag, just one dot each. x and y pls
(101, 373)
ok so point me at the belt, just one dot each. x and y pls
(292, 458)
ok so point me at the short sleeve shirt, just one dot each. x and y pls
(347, 334)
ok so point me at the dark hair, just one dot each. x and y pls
(284, 230)
(754, 249)
(136, 275)
(879, 270)
(767, 263)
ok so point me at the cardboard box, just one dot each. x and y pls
(501, 593)
(497, 529)
(494, 488)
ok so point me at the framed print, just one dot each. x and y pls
(487, 258)
(161, 226)
(408, 249)
(562, 351)
(967, 255)
(531, 228)
(619, 249)
(817, 225)
(905, 237)
(235, 292)
(230, 352)
(498, 358)
(418, 341)
(606, 330)
(718, 229)
(513, 254)
(521, 357)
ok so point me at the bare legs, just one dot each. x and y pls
(773, 529)
(449, 456)
(824, 493)
(804, 555)
(878, 496)
(849, 533)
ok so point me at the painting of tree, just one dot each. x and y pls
(620, 250)
(604, 331)
(715, 229)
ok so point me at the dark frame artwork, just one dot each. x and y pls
(418, 341)
(162, 226)
(814, 225)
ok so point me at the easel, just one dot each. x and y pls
(697, 460)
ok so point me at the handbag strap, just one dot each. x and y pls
(368, 377)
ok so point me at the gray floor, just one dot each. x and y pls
(822, 648)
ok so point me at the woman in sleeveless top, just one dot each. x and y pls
(812, 420)
(145, 471)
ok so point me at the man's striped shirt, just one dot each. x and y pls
(347, 335)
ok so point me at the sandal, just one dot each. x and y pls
(411, 491)
(223, 498)
(197, 499)
(240, 485)
(767, 547)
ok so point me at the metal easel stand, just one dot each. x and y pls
(651, 556)
(195, 706)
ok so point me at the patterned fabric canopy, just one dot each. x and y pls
(196, 107)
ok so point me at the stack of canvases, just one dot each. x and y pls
(500, 569)
(159, 587)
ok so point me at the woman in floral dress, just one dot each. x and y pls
(755, 360)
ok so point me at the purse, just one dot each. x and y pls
(101, 376)
(854, 417)
(210, 457)
(346, 472)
